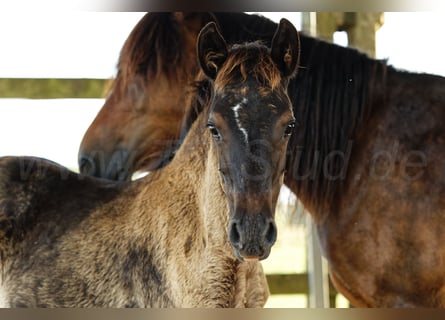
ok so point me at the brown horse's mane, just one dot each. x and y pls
(333, 96)
(155, 46)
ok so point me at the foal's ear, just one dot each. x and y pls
(212, 50)
(285, 49)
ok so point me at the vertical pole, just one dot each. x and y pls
(361, 33)
(317, 269)
(309, 23)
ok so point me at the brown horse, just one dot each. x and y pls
(366, 163)
(190, 234)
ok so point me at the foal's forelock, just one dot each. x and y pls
(243, 63)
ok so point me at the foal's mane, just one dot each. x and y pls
(154, 46)
(201, 92)
(333, 96)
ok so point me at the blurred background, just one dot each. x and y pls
(86, 45)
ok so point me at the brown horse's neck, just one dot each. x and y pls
(334, 96)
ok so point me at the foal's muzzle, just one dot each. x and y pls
(252, 236)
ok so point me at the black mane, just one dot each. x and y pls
(332, 97)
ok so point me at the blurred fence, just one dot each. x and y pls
(51, 88)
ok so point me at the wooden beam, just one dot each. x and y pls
(295, 283)
(52, 88)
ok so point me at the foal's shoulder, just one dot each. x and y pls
(35, 191)
(25, 170)
(26, 176)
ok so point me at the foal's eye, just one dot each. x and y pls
(290, 127)
(214, 131)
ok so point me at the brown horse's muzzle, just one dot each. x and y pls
(252, 235)
(101, 165)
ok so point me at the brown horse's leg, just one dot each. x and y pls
(440, 298)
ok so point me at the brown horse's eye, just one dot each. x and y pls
(214, 131)
(289, 129)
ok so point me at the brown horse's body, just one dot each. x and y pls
(180, 237)
(367, 163)
(383, 234)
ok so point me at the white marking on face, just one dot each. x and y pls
(236, 109)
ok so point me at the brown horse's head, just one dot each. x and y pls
(156, 64)
(250, 120)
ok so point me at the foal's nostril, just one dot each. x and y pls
(234, 235)
(271, 233)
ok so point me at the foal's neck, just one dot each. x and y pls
(197, 152)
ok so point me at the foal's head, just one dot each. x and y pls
(250, 120)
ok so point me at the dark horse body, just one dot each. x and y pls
(367, 163)
(189, 235)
